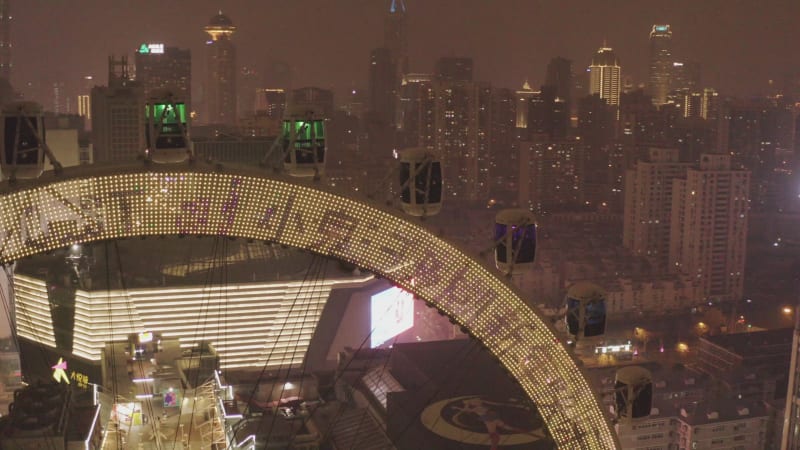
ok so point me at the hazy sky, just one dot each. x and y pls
(741, 43)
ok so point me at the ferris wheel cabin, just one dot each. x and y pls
(23, 140)
(303, 141)
(166, 132)
(515, 240)
(420, 182)
(586, 310)
(633, 393)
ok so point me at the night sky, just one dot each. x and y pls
(741, 44)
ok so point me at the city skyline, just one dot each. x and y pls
(514, 43)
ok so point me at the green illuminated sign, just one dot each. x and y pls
(144, 48)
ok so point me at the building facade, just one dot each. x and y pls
(220, 93)
(648, 204)
(117, 112)
(708, 230)
(660, 63)
(162, 67)
(605, 75)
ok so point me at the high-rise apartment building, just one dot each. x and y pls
(648, 204)
(117, 112)
(708, 232)
(5, 39)
(549, 178)
(605, 75)
(161, 67)
(417, 103)
(220, 89)
(462, 135)
(660, 63)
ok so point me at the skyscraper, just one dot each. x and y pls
(395, 39)
(708, 232)
(383, 85)
(162, 67)
(605, 75)
(417, 100)
(5, 39)
(559, 76)
(117, 115)
(660, 63)
(220, 89)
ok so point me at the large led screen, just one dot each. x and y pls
(391, 313)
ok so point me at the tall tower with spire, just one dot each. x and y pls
(220, 89)
(396, 42)
(395, 36)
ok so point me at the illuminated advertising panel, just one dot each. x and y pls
(391, 313)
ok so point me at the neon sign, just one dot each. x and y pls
(151, 48)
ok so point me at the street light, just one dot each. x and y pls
(787, 310)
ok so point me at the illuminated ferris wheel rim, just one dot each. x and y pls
(93, 203)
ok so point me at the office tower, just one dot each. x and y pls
(5, 39)
(162, 67)
(417, 104)
(250, 81)
(117, 115)
(559, 76)
(395, 40)
(383, 85)
(322, 98)
(220, 89)
(524, 97)
(605, 75)
(708, 232)
(660, 63)
(453, 69)
(648, 204)
(271, 102)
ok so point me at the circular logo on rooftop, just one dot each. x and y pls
(479, 420)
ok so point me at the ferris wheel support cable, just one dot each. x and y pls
(114, 387)
(313, 273)
(203, 315)
(320, 276)
(49, 440)
(148, 390)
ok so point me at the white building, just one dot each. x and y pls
(708, 233)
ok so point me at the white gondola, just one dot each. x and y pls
(515, 240)
(586, 310)
(23, 141)
(633, 393)
(420, 182)
(166, 128)
(303, 141)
